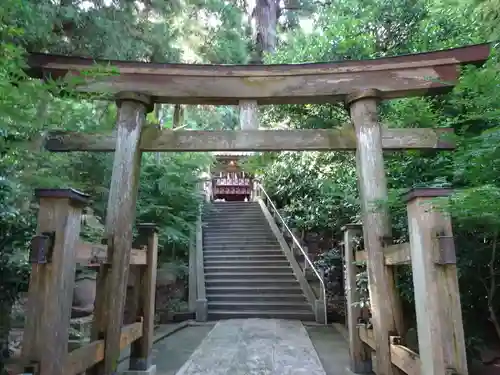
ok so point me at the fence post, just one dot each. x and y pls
(53, 259)
(192, 271)
(437, 299)
(360, 357)
(140, 354)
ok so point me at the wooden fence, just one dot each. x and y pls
(431, 253)
(55, 250)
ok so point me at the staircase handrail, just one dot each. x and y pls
(299, 246)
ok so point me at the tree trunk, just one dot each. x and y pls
(265, 15)
(5, 323)
(178, 116)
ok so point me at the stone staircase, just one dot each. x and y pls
(247, 274)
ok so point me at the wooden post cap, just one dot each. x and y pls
(75, 196)
(429, 192)
(363, 94)
(135, 97)
(355, 226)
(147, 228)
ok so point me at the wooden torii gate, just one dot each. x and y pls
(360, 84)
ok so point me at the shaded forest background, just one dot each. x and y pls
(317, 192)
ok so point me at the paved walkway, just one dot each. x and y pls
(255, 347)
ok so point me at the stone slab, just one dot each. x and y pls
(332, 349)
(255, 347)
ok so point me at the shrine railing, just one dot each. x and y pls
(261, 192)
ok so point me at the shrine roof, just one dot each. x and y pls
(394, 77)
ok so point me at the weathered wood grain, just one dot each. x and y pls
(405, 359)
(359, 356)
(140, 355)
(89, 355)
(120, 217)
(95, 254)
(45, 338)
(132, 300)
(361, 256)
(384, 300)
(397, 254)
(439, 314)
(367, 336)
(394, 254)
(253, 140)
(398, 76)
(100, 314)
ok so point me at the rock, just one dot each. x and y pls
(84, 295)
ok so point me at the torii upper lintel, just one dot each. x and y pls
(394, 77)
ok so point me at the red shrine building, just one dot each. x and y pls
(228, 181)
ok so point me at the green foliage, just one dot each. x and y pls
(323, 193)
(169, 196)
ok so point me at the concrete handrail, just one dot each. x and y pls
(296, 243)
(201, 298)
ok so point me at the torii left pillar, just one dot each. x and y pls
(132, 110)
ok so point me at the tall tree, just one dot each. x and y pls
(265, 17)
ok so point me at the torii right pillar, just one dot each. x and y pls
(385, 303)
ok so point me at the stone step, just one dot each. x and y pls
(227, 221)
(245, 276)
(237, 227)
(242, 246)
(237, 261)
(273, 257)
(228, 247)
(267, 314)
(235, 241)
(236, 268)
(238, 230)
(212, 239)
(231, 218)
(252, 290)
(270, 297)
(251, 283)
(258, 306)
(243, 235)
(233, 211)
(234, 207)
(243, 253)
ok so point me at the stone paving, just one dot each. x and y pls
(255, 347)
